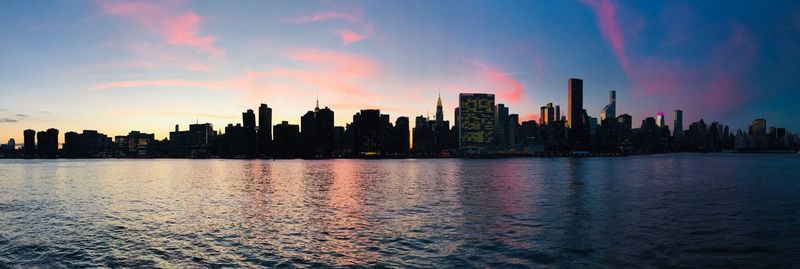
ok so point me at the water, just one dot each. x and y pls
(679, 210)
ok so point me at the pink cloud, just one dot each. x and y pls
(504, 84)
(334, 71)
(360, 29)
(606, 12)
(712, 85)
(175, 24)
(339, 63)
(348, 36)
(161, 83)
(328, 15)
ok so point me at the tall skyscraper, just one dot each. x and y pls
(501, 125)
(515, 129)
(476, 121)
(575, 121)
(543, 115)
(557, 115)
(660, 121)
(264, 130)
(249, 135)
(29, 146)
(316, 132)
(439, 112)
(677, 128)
(575, 103)
(609, 112)
(547, 114)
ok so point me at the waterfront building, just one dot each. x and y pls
(249, 133)
(576, 121)
(29, 144)
(286, 138)
(47, 144)
(501, 129)
(476, 122)
(264, 130)
(316, 132)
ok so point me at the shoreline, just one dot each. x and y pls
(487, 156)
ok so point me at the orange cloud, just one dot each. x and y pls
(174, 23)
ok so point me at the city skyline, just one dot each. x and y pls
(482, 127)
(151, 65)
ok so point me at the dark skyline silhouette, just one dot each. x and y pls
(481, 128)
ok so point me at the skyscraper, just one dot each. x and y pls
(439, 112)
(367, 132)
(316, 132)
(47, 144)
(575, 103)
(286, 138)
(576, 123)
(677, 128)
(476, 121)
(609, 112)
(29, 146)
(547, 114)
(660, 121)
(249, 135)
(557, 115)
(264, 130)
(501, 125)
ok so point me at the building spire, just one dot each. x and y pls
(317, 107)
(439, 101)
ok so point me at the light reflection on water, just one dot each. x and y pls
(717, 210)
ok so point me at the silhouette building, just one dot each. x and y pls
(576, 122)
(286, 140)
(502, 126)
(47, 147)
(677, 124)
(264, 130)
(29, 144)
(249, 133)
(316, 131)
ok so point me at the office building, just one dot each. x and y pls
(476, 121)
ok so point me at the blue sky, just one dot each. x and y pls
(117, 66)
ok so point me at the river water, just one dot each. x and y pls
(675, 210)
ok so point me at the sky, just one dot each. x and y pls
(117, 66)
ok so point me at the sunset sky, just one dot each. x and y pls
(117, 66)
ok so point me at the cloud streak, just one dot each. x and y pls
(174, 23)
(335, 71)
(357, 29)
